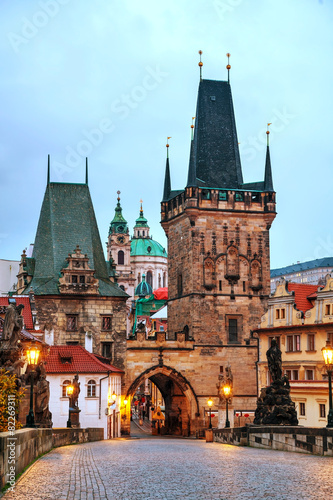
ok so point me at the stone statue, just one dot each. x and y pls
(73, 401)
(13, 324)
(274, 361)
(229, 378)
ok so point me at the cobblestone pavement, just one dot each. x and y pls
(172, 469)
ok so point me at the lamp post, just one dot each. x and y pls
(69, 392)
(226, 391)
(32, 357)
(210, 404)
(328, 358)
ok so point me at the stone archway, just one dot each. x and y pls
(181, 403)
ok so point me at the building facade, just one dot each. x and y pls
(69, 276)
(300, 317)
(312, 272)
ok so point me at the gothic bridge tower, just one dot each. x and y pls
(218, 247)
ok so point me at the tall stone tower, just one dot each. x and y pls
(218, 246)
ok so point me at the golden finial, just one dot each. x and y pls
(192, 126)
(268, 132)
(118, 193)
(228, 67)
(200, 64)
(167, 146)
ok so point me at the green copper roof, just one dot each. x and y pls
(118, 223)
(141, 221)
(147, 246)
(67, 219)
(143, 288)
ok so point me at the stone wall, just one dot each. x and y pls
(27, 444)
(52, 315)
(309, 440)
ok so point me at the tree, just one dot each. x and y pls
(10, 398)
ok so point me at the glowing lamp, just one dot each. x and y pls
(33, 355)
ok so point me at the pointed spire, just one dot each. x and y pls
(48, 169)
(86, 171)
(268, 182)
(228, 67)
(192, 171)
(167, 180)
(200, 64)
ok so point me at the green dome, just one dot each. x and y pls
(147, 246)
(143, 289)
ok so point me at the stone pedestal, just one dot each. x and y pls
(274, 406)
(75, 417)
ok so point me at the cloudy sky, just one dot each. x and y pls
(111, 79)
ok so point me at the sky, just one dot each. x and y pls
(111, 79)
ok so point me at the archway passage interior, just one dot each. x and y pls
(180, 402)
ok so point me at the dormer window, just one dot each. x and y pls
(74, 278)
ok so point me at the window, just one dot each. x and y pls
(220, 285)
(74, 278)
(302, 409)
(161, 328)
(239, 197)
(121, 257)
(107, 350)
(82, 279)
(277, 341)
(64, 388)
(205, 193)
(233, 333)
(280, 313)
(159, 281)
(293, 343)
(150, 278)
(91, 389)
(106, 322)
(164, 279)
(327, 309)
(71, 323)
(283, 313)
(180, 284)
(292, 374)
(277, 313)
(309, 375)
(322, 411)
(244, 289)
(311, 342)
(223, 196)
(122, 287)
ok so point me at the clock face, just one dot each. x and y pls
(120, 239)
(120, 229)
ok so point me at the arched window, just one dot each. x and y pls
(150, 278)
(121, 257)
(91, 389)
(164, 279)
(64, 388)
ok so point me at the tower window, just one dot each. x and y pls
(205, 194)
(150, 278)
(74, 278)
(71, 323)
(106, 323)
(82, 279)
(233, 330)
(220, 285)
(180, 285)
(107, 350)
(121, 257)
(223, 196)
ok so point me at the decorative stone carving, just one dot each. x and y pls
(274, 406)
(77, 277)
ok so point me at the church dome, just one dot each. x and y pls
(147, 246)
(143, 288)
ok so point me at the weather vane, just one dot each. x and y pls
(268, 132)
(228, 67)
(200, 64)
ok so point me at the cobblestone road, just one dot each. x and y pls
(170, 469)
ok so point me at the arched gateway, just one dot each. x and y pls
(181, 403)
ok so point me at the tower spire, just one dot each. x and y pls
(86, 171)
(48, 169)
(228, 67)
(268, 182)
(200, 64)
(167, 180)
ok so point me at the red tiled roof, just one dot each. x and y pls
(81, 361)
(302, 292)
(26, 312)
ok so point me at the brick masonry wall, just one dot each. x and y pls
(52, 314)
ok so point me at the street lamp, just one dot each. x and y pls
(328, 358)
(69, 392)
(112, 399)
(226, 391)
(32, 358)
(210, 404)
